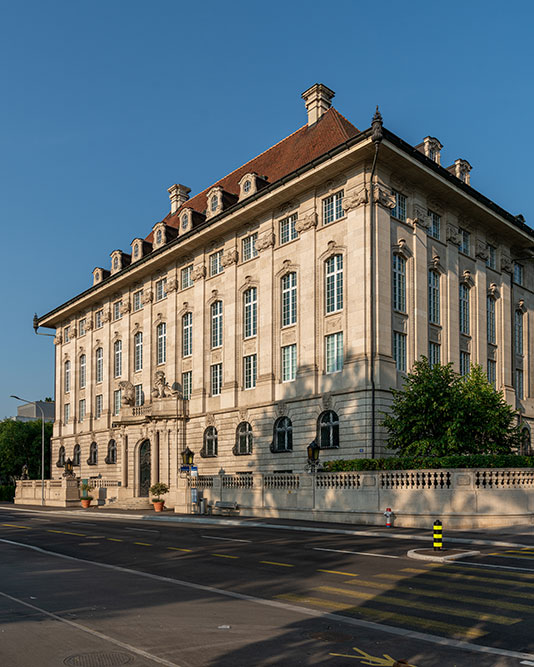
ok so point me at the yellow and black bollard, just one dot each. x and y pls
(438, 535)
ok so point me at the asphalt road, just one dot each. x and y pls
(84, 590)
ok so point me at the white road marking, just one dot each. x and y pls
(95, 633)
(336, 618)
(494, 567)
(226, 539)
(357, 553)
(142, 530)
(526, 662)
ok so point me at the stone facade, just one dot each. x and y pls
(241, 254)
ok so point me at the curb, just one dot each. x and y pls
(414, 553)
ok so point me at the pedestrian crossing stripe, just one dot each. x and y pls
(467, 568)
(456, 579)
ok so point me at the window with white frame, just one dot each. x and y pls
(161, 289)
(249, 247)
(244, 439)
(464, 309)
(187, 384)
(81, 409)
(99, 404)
(250, 368)
(161, 343)
(99, 319)
(66, 377)
(67, 413)
(328, 430)
(519, 383)
(492, 372)
(491, 260)
(117, 396)
(287, 229)
(490, 317)
(399, 350)
(215, 263)
(333, 208)
(518, 332)
(186, 276)
(435, 225)
(334, 352)
(83, 371)
(289, 299)
(283, 435)
(518, 273)
(117, 358)
(465, 241)
(289, 362)
(187, 334)
(216, 379)
(66, 334)
(216, 324)
(434, 353)
(465, 363)
(399, 283)
(117, 310)
(139, 395)
(433, 297)
(138, 300)
(334, 283)
(138, 351)
(99, 374)
(82, 327)
(250, 312)
(399, 210)
(210, 442)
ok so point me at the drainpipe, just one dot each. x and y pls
(376, 137)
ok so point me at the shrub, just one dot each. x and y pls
(432, 463)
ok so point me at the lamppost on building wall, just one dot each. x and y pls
(23, 400)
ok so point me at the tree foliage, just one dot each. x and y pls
(440, 413)
(20, 444)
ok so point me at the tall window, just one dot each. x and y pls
(138, 300)
(67, 413)
(465, 241)
(93, 454)
(99, 364)
(210, 442)
(216, 324)
(333, 208)
(435, 225)
(283, 435)
(99, 319)
(117, 396)
(334, 283)
(464, 309)
(216, 266)
(216, 379)
(490, 313)
(61, 457)
(138, 351)
(161, 289)
(139, 395)
(187, 335)
(76, 455)
(67, 377)
(249, 247)
(518, 274)
(399, 210)
(399, 283)
(117, 310)
(289, 362)
(434, 353)
(492, 372)
(491, 261)
(519, 383)
(244, 439)
(81, 409)
(186, 275)
(187, 384)
(66, 334)
(117, 358)
(161, 342)
(250, 369)
(433, 297)
(334, 352)
(518, 332)
(328, 430)
(82, 324)
(83, 371)
(399, 350)
(287, 229)
(289, 299)
(111, 458)
(250, 308)
(99, 404)
(465, 363)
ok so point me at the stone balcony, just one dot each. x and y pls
(161, 408)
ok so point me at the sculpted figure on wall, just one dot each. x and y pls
(128, 392)
(161, 388)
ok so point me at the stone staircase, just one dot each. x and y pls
(130, 504)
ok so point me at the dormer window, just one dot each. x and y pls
(139, 248)
(462, 170)
(99, 274)
(250, 184)
(115, 263)
(214, 202)
(185, 221)
(136, 251)
(119, 260)
(161, 236)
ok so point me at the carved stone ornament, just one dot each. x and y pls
(265, 241)
(89, 324)
(506, 263)
(59, 338)
(452, 235)
(467, 279)
(210, 419)
(481, 250)
(281, 409)
(126, 307)
(436, 205)
(230, 258)
(308, 221)
(402, 249)
(161, 387)
(384, 196)
(420, 217)
(243, 415)
(198, 272)
(128, 392)
(435, 264)
(148, 296)
(327, 401)
(106, 316)
(354, 199)
(172, 285)
(521, 306)
(493, 291)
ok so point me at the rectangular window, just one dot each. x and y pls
(465, 363)
(139, 395)
(435, 225)
(518, 332)
(399, 283)
(187, 384)
(334, 283)
(287, 229)
(434, 354)
(490, 316)
(433, 297)
(138, 352)
(117, 310)
(216, 379)
(81, 409)
(518, 274)
(67, 413)
(138, 300)
(67, 377)
(117, 362)
(492, 372)
(464, 310)
(66, 334)
(249, 371)
(216, 324)
(216, 266)
(518, 383)
(82, 327)
(399, 350)
(249, 247)
(334, 352)
(250, 312)
(99, 403)
(399, 211)
(491, 261)
(333, 208)
(99, 319)
(99, 365)
(187, 335)
(161, 350)
(117, 396)
(83, 371)
(289, 299)
(161, 289)
(186, 276)
(465, 241)
(289, 363)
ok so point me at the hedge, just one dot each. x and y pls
(433, 463)
(7, 493)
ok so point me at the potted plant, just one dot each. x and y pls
(86, 498)
(159, 489)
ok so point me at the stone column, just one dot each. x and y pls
(154, 462)
(124, 462)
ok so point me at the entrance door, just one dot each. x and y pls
(144, 469)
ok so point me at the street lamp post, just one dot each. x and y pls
(313, 450)
(42, 442)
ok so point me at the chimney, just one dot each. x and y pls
(317, 99)
(178, 194)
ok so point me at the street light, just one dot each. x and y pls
(69, 468)
(23, 400)
(314, 451)
(187, 457)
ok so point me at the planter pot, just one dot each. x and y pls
(158, 506)
(86, 502)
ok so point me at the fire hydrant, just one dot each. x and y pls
(388, 514)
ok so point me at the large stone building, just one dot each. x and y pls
(282, 304)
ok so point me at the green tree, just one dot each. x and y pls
(20, 444)
(439, 413)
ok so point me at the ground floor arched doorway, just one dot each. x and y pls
(144, 469)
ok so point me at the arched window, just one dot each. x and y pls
(93, 454)
(99, 364)
(76, 455)
(117, 358)
(158, 236)
(518, 332)
(187, 335)
(61, 457)
(244, 439)
(115, 262)
(328, 430)
(112, 452)
(490, 312)
(334, 283)
(250, 312)
(138, 351)
(83, 371)
(161, 338)
(464, 309)
(433, 297)
(67, 377)
(216, 324)
(136, 250)
(289, 299)
(214, 203)
(399, 283)
(210, 442)
(282, 435)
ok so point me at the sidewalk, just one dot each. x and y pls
(509, 536)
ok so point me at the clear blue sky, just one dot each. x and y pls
(105, 104)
